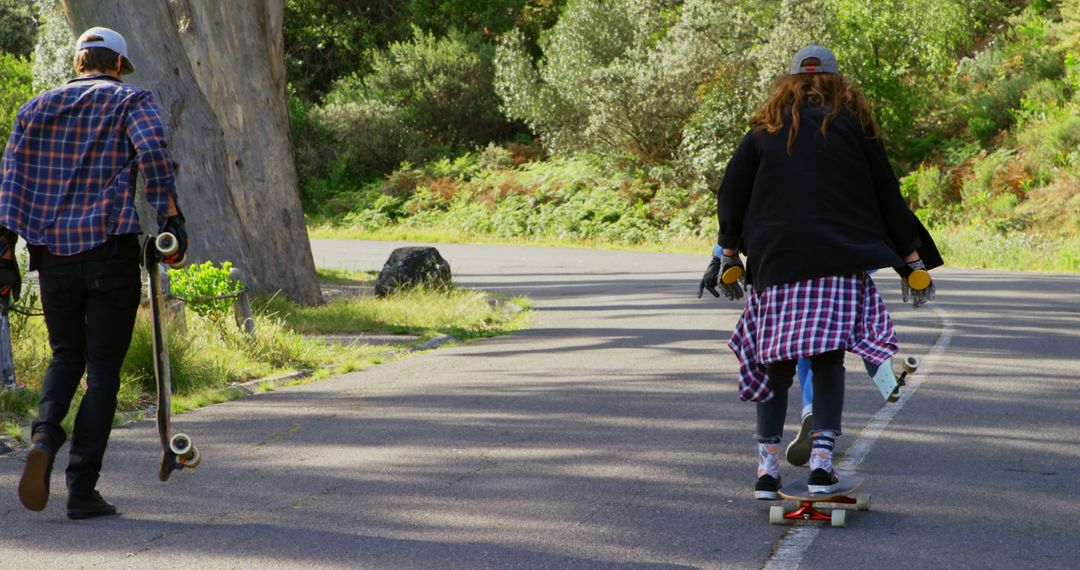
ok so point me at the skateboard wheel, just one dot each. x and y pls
(839, 518)
(167, 244)
(919, 279)
(192, 459)
(180, 444)
(911, 364)
(731, 275)
(862, 501)
(776, 515)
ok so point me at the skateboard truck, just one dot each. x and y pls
(805, 501)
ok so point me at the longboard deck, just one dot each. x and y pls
(798, 491)
(162, 376)
(884, 378)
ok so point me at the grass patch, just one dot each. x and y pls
(333, 276)
(976, 247)
(462, 313)
(207, 358)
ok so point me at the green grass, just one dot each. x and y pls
(208, 358)
(332, 276)
(961, 246)
(680, 244)
(975, 247)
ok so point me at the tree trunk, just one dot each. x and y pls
(219, 76)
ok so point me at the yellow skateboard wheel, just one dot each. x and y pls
(731, 275)
(919, 279)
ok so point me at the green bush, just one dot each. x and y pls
(425, 98)
(209, 291)
(622, 78)
(988, 89)
(18, 27)
(16, 88)
(928, 191)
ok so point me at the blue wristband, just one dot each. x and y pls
(718, 251)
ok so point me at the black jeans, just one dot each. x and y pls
(828, 395)
(90, 310)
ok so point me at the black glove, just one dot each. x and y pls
(719, 266)
(175, 226)
(711, 277)
(915, 284)
(10, 279)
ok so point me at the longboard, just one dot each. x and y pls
(885, 378)
(177, 451)
(806, 510)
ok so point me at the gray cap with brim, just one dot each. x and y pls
(110, 39)
(822, 53)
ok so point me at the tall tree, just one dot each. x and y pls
(218, 71)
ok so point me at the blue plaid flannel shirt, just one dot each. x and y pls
(70, 165)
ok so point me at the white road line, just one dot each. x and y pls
(791, 547)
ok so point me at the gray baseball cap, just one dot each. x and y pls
(828, 60)
(110, 39)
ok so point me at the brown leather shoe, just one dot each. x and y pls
(89, 506)
(34, 485)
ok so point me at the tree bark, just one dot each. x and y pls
(218, 71)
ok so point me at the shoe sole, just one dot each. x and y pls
(766, 495)
(798, 451)
(33, 488)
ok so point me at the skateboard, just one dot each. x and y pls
(7, 359)
(177, 450)
(885, 377)
(806, 509)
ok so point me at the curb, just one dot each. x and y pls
(10, 446)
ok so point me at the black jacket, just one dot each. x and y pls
(831, 207)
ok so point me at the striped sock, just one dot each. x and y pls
(769, 460)
(821, 453)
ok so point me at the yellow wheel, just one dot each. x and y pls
(839, 518)
(919, 279)
(862, 501)
(776, 515)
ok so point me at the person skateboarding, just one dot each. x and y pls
(810, 198)
(68, 189)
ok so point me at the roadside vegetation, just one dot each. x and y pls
(209, 355)
(613, 121)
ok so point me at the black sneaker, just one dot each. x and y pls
(88, 506)
(798, 451)
(766, 488)
(822, 482)
(34, 485)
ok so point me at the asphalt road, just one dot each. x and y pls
(608, 434)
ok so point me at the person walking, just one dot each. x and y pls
(68, 189)
(810, 198)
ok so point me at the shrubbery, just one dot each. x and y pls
(16, 88)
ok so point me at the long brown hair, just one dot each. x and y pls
(831, 91)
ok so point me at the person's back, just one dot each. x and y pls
(67, 172)
(68, 189)
(810, 198)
